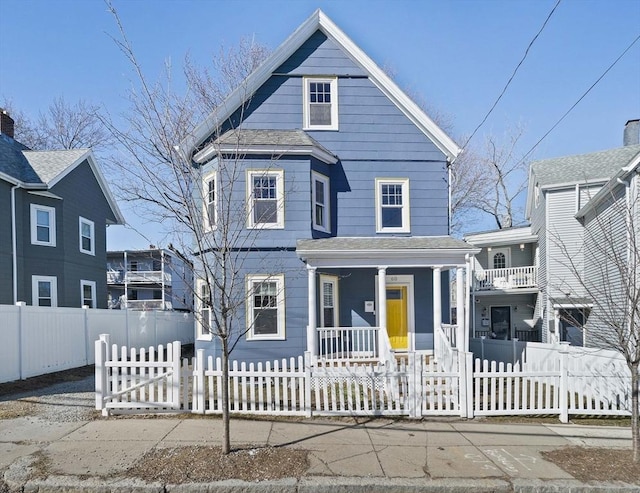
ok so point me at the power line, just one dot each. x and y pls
(581, 98)
(526, 53)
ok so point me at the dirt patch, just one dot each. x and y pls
(596, 464)
(43, 381)
(206, 464)
(16, 409)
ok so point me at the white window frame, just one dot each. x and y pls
(507, 257)
(35, 298)
(406, 210)
(333, 280)
(253, 279)
(210, 177)
(92, 237)
(34, 225)
(306, 114)
(201, 308)
(92, 285)
(254, 173)
(326, 227)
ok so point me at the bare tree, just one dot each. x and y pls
(607, 269)
(62, 126)
(202, 204)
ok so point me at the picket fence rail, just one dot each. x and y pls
(447, 383)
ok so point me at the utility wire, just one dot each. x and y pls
(526, 53)
(581, 98)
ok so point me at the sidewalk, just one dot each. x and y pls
(364, 456)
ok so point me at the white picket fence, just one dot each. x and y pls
(449, 383)
(41, 340)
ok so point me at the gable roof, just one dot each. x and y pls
(319, 21)
(594, 167)
(51, 164)
(14, 166)
(271, 142)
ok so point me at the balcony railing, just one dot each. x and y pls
(144, 305)
(509, 278)
(138, 276)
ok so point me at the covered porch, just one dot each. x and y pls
(370, 298)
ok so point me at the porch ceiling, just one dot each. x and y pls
(424, 251)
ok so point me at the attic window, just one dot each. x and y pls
(320, 111)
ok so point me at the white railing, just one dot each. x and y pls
(148, 276)
(347, 343)
(450, 331)
(509, 278)
(148, 305)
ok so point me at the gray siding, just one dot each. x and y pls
(522, 310)
(6, 257)
(519, 258)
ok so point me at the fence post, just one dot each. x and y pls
(87, 342)
(514, 344)
(307, 384)
(101, 357)
(564, 382)
(198, 374)
(414, 385)
(175, 381)
(21, 348)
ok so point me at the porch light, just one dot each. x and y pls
(488, 249)
(521, 246)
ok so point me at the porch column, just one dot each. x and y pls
(382, 304)
(312, 337)
(461, 336)
(437, 298)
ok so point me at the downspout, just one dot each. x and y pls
(14, 244)
(449, 164)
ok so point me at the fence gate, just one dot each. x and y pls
(138, 381)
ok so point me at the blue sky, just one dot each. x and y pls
(457, 54)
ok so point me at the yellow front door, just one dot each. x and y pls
(397, 325)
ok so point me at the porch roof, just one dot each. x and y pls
(420, 251)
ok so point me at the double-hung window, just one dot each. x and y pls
(43, 225)
(88, 293)
(44, 291)
(87, 236)
(320, 202)
(205, 304)
(265, 313)
(265, 198)
(392, 205)
(329, 301)
(210, 193)
(320, 110)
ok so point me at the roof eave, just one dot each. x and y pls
(213, 150)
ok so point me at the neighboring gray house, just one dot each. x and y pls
(153, 279)
(531, 282)
(347, 181)
(53, 233)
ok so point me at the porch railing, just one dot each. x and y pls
(520, 335)
(348, 343)
(509, 278)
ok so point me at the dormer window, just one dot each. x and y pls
(320, 110)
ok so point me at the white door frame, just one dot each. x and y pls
(405, 280)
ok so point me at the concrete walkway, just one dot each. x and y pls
(345, 455)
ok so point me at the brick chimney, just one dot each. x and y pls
(6, 123)
(631, 133)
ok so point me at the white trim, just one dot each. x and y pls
(92, 237)
(208, 178)
(35, 298)
(315, 176)
(92, 285)
(506, 251)
(509, 236)
(200, 308)
(319, 21)
(405, 208)
(402, 280)
(333, 280)
(279, 174)
(34, 208)
(280, 316)
(333, 86)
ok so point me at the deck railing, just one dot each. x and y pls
(508, 278)
(348, 343)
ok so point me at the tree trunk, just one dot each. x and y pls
(226, 432)
(635, 433)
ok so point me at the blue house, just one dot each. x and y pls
(341, 183)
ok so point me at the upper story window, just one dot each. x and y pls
(500, 258)
(43, 225)
(88, 293)
(265, 198)
(320, 202)
(392, 205)
(210, 201)
(44, 291)
(265, 313)
(87, 236)
(320, 110)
